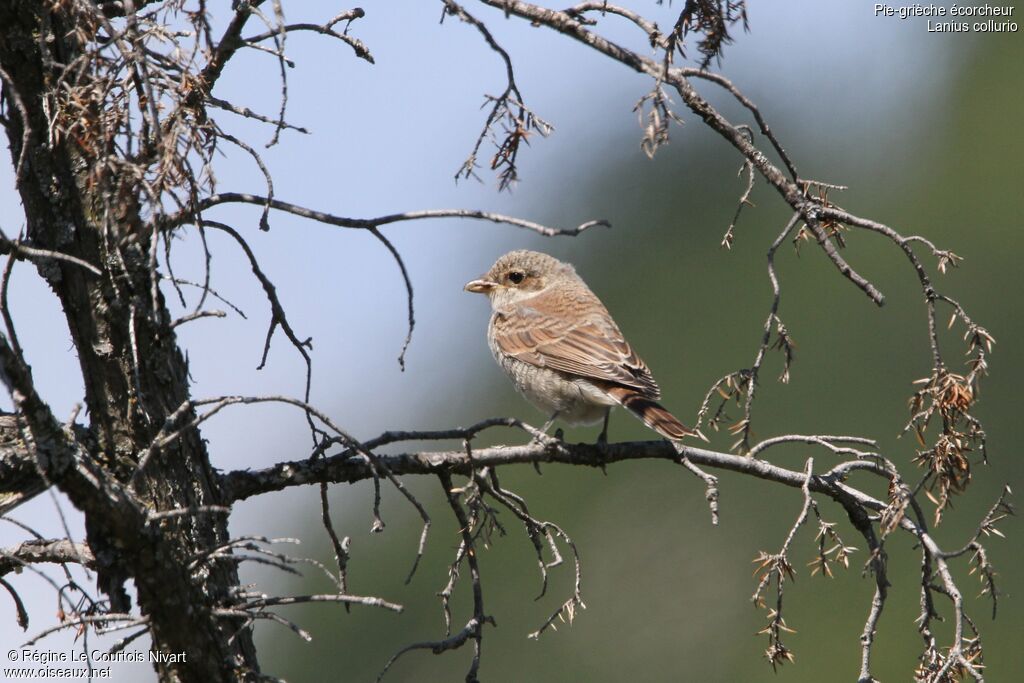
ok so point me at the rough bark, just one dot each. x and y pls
(134, 375)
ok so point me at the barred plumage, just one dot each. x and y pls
(560, 347)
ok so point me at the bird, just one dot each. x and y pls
(561, 348)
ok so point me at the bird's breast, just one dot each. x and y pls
(577, 400)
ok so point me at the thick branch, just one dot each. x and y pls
(19, 476)
(345, 468)
(36, 551)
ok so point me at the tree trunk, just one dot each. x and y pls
(135, 375)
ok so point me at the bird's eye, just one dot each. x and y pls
(516, 276)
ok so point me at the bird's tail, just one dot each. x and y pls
(652, 414)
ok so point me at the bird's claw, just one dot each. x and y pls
(542, 438)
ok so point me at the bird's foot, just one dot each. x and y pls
(602, 453)
(602, 438)
(542, 438)
(548, 440)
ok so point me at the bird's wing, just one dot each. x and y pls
(592, 346)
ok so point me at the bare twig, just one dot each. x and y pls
(367, 223)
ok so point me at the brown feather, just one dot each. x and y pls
(549, 332)
(652, 414)
(557, 342)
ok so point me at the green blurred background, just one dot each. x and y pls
(668, 596)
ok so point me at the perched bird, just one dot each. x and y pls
(560, 347)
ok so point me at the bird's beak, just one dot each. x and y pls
(480, 286)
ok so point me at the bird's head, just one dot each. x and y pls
(519, 275)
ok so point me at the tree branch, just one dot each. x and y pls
(369, 223)
(348, 468)
(57, 551)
